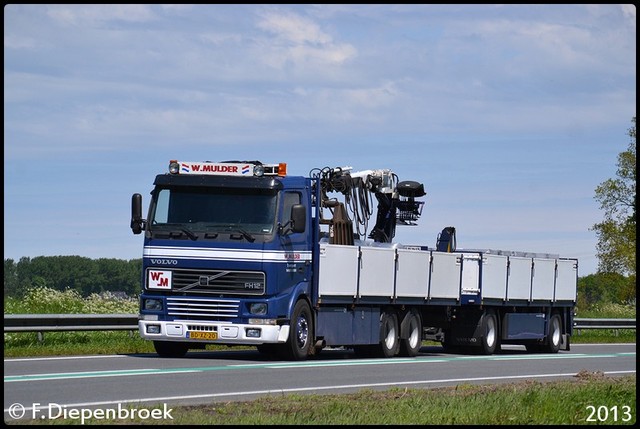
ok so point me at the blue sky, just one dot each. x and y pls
(510, 115)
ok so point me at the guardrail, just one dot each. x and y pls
(616, 324)
(42, 323)
(129, 322)
(69, 322)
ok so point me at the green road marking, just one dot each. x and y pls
(301, 364)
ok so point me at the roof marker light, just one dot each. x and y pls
(174, 167)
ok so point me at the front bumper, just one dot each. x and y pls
(213, 332)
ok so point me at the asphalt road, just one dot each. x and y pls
(52, 387)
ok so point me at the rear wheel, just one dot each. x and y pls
(170, 349)
(411, 338)
(554, 335)
(489, 328)
(389, 335)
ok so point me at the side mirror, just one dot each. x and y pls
(298, 218)
(136, 213)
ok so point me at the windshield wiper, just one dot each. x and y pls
(250, 238)
(230, 228)
(190, 233)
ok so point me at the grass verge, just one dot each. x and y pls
(526, 403)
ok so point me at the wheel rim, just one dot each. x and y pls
(414, 337)
(390, 339)
(491, 331)
(302, 331)
(555, 333)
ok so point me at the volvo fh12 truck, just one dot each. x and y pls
(242, 253)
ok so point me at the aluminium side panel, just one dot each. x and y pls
(567, 280)
(412, 275)
(543, 279)
(494, 276)
(519, 279)
(377, 271)
(445, 275)
(338, 268)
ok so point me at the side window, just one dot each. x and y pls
(290, 198)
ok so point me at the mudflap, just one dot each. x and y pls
(565, 342)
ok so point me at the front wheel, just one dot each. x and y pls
(300, 341)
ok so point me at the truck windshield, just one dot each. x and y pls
(204, 209)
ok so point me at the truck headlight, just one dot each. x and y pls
(152, 304)
(258, 308)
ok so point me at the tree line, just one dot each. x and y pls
(84, 275)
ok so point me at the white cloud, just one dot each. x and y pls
(294, 29)
(96, 13)
(300, 42)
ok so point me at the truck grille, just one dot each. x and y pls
(202, 309)
(218, 282)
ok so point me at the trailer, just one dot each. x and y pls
(241, 253)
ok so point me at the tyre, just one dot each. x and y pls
(301, 333)
(389, 335)
(489, 328)
(411, 338)
(554, 335)
(169, 349)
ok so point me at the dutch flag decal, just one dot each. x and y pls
(246, 169)
(184, 167)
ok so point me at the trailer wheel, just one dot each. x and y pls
(554, 335)
(389, 335)
(170, 349)
(300, 339)
(411, 338)
(489, 328)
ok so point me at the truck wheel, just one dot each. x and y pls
(169, 349)
(411, 338)
(554, 335)
(489, 328)
(300, 340)
(389, 335)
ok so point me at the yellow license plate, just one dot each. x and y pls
(202, 335)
